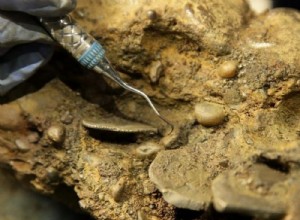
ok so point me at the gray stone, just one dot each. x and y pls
(250, 192)
(181, 181)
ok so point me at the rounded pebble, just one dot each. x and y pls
(155, 71)
(67, 118)
(118, 189)
(170, 141)
(228, 69)
(209, 114)
(147, 150)
(56, 133)
(22, 145)
(151, 14)
(33, 137)
(52, 175)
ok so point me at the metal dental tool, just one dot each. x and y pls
(88, 52)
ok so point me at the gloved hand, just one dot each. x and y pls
(24, 44)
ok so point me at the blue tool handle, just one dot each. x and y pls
(75, 40)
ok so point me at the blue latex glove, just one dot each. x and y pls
(24, 44)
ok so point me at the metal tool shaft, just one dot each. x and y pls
(75, 40)
(88, 51)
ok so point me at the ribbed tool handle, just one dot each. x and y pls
(75, 40)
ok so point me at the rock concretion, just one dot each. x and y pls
(172, 51)
(209, 114)
(171, 170)
(228, 69)
(253, 194)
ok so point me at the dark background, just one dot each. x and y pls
(287, 3)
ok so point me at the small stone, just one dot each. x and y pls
(33, 137)
(151, 14)
(155, 71)
(149, 187)
(83, 204)
(56, 133)
(151, 206)
(228, 69)
(260, 6)
(209, 114)
(141, 215)
(52, 175)
(169, 141)
(22, 145)
(232, 96)
(67, 118)
(148, 150)
(101, 197)
(189, 9)
(118, 189)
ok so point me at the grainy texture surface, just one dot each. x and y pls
(173, 51)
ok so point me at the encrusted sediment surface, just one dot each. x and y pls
(227, 79)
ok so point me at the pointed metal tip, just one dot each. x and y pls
(167, 122)
(106, 68)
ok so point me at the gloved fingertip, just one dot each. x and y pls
(21, 62)
(45, 8)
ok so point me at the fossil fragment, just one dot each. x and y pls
(116, 124)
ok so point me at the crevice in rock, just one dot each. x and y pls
(274, 164)
(113, 137)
